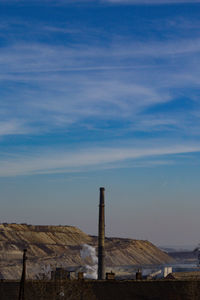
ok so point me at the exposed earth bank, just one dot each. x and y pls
(55, 246)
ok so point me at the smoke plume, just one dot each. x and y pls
(88, 253)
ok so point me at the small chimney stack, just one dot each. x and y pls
(101, 237)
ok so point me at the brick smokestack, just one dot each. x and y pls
(101, 237)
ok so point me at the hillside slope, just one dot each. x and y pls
(61, 245)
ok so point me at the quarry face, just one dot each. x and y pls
(54, 246)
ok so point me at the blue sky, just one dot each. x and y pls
(101, 93)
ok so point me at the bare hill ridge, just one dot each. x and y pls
(61, 245)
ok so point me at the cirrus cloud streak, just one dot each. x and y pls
(87, 159)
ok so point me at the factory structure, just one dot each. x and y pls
(156, 278)
(60, 273)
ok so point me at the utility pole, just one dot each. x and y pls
(23, 278)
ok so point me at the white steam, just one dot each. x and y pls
(88, 253)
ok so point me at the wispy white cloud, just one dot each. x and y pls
(87, 159)
(13, 127)
(37, 57)
(64, 85)
(55, 87)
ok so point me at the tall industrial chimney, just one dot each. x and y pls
(101, 237)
